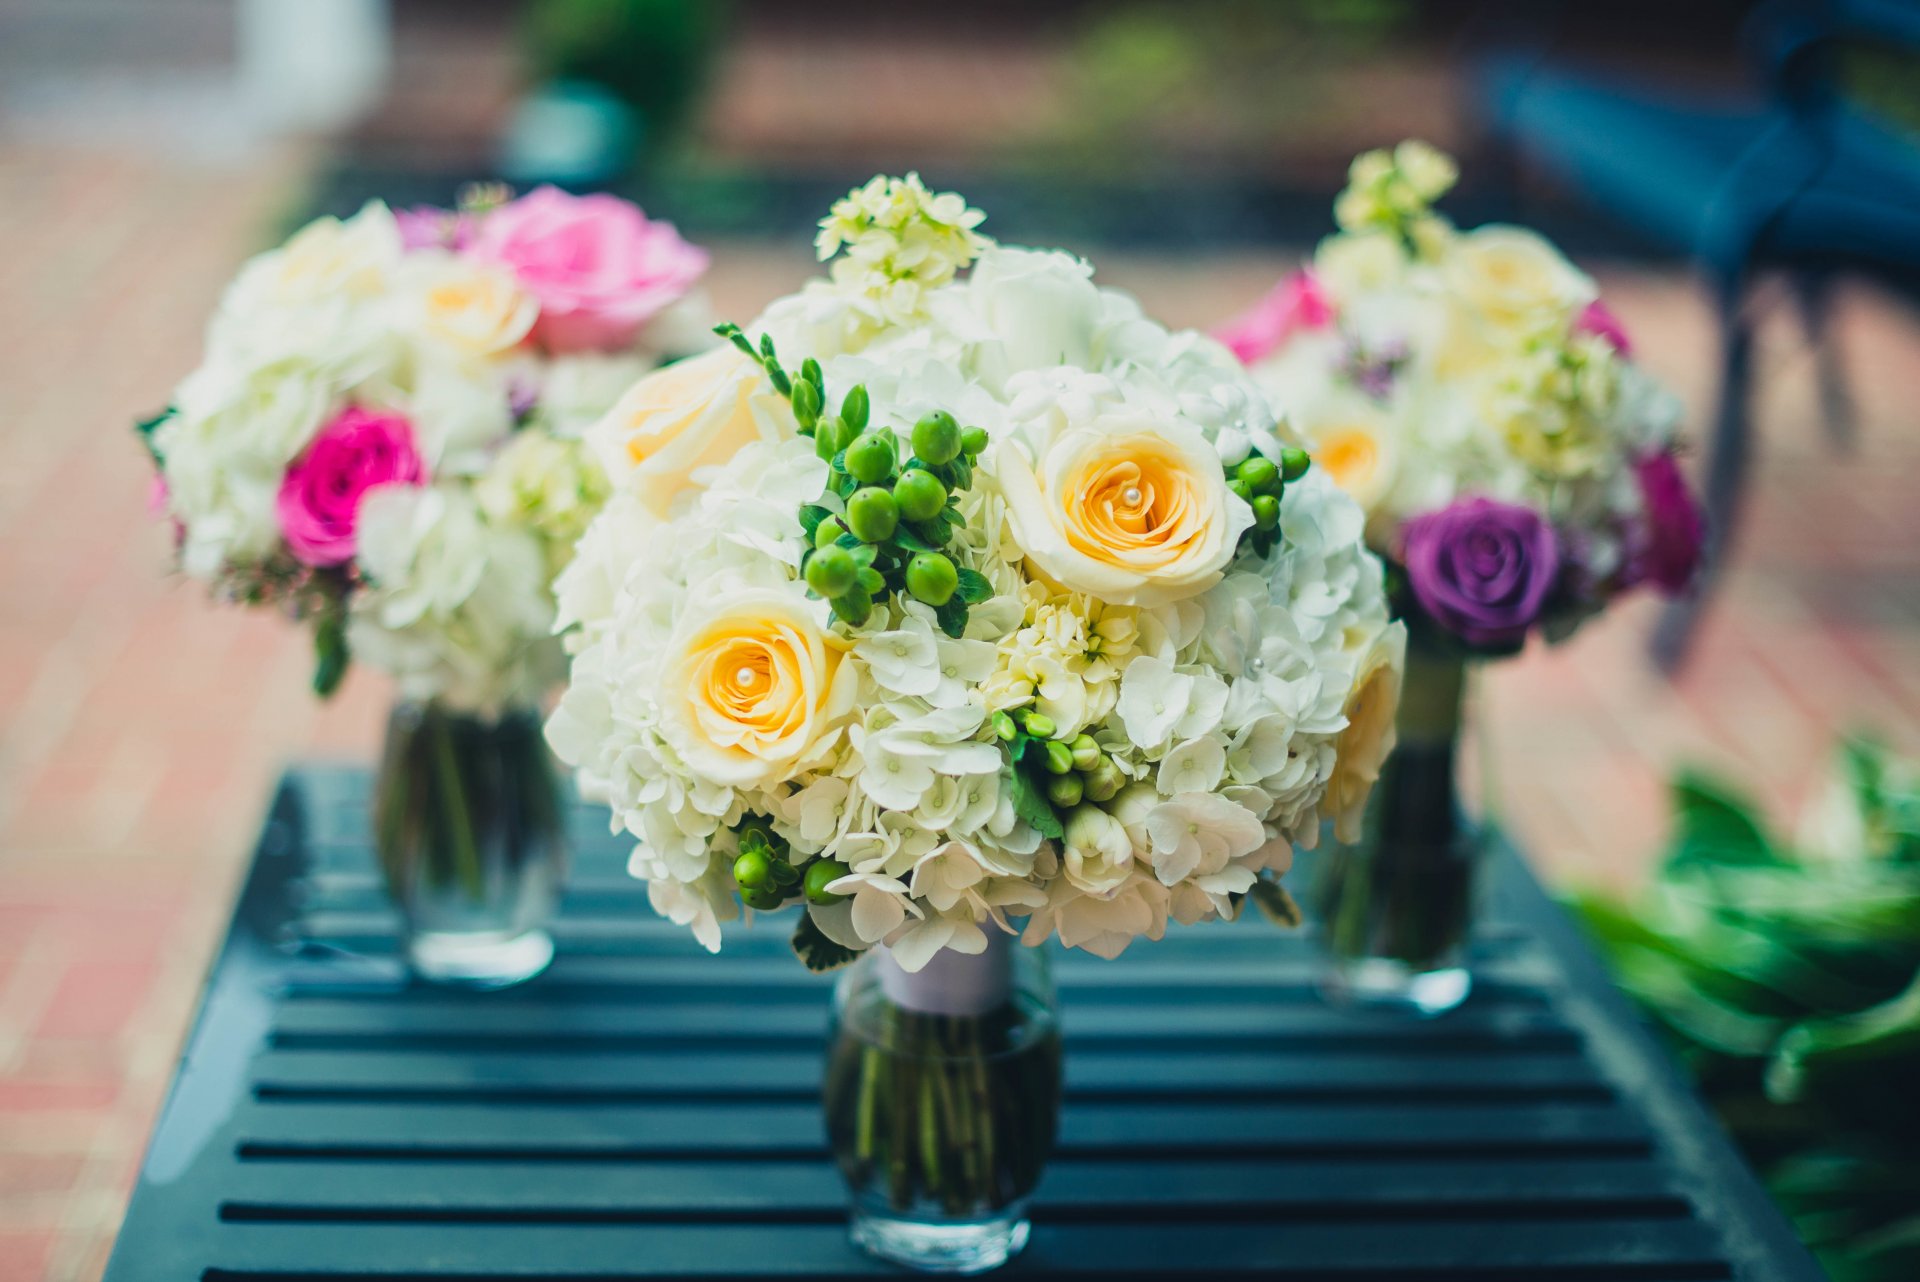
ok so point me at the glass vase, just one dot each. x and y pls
(470, 829)
(1396, 906)
(942, 1097)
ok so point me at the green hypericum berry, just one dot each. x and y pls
(1104, 781)
(1294, 463)
(822, 873)
(1260, 473)
(1059, 758)
(931, 578)
(1038, 724)
(1086, 753)
(832, 570)
(827, 531)
(853, 408)
(1266, 511)
(937, 438)
(973, 440)
(1241, 488)
(1066, 791)
(872, 514)
(765, 899)
(871, 457)
(753, 870)
(919, 494)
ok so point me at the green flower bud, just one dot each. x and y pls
(820, 874)
(1241, 488)
(1059, 758)
(831, 571)
(1038, 724)
(871, 457)
(853, 408)
(937, 438)
(1003, 727)
(931, 578)
(1294, 463)
(1086, 753)
(830, 436)
(753, 870)
(810, 370)
(973, 440)
(806, 403)
(1260, 473)
(919, 494)
(1266, 511)
(1104, 781)
(1066, 791)
(872, 514)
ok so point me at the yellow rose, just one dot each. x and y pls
(693, 414)
(1363, 747)
(1127, 510)
(1514, 282)
(752, 686)
(475, 309)
(1352, 444)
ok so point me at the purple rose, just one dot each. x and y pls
(1481, 569)
(1667, 551)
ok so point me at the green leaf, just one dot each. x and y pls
(855, 605)
(330, 653)
(1032, 806)
(1714, 824)
(952, 617)
(975, 587)
(911, 538)
(815, 950)
(870, 580)
(146, 427)
(1276, 904)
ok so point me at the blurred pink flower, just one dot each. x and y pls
(1296, 303)
(1598, 319)
(319, 503)
(429, 227)
(1667, 554)
(599, 267)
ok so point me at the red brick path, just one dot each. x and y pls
(140, 728)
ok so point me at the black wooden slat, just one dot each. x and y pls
(1421, 1252)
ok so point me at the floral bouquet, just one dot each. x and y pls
(940, 599)
(383, 441)
(1517, 468)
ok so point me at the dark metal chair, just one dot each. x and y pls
(1793, 180)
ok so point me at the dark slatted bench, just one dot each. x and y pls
(646, 1111)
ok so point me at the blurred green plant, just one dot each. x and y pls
(1244, 72)
(653, 55)
(1787, 976)
(1884, 82)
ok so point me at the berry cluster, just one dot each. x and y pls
(883, 526)
(765, 873)
(1068, 771)
(1260, 481)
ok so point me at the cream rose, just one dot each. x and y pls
(1369, 736)
(476, 310)
(751, 685)
(1353, 444)
(1515, 282)
(693, 414)
(1128, 510)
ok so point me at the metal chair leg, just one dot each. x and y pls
(1813, 296)
(1726, 479)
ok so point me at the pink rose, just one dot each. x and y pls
(598, 266)
(320, 498)
(1296, 303)
(429, 227)
(1598, 319)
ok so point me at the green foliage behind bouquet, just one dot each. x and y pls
(1787, 975)
(651, 54)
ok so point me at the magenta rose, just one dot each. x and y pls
(1598, 319)
(1667, 554)
(598, 266)
(1481, 569)
(1296, 303)
(320, 498)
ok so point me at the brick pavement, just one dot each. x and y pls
(140, 728)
